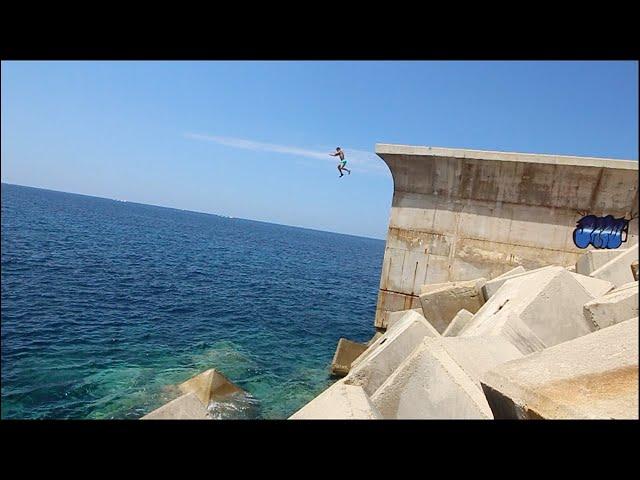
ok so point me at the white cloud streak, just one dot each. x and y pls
(365, 161)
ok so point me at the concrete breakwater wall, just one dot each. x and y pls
(487, 308)
(463, 214)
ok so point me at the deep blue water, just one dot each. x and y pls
(107, 304)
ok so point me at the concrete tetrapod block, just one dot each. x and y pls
(208, 385)
(634, 270)
(492, 286)
(393, 317)
(185, 407)
(594, 286)
(339, 402)
(462, 318)
(618, 270)
(535, 311)
(346, 352)
(592, 377)
(402, 321)
(616, 306)
(594, 259)
(373, 367)
(440, 305)
(440, 379)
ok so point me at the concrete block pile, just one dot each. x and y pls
(549, 343)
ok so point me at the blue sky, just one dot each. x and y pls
(250, 139)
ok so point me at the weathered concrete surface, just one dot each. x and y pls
(375, 365)
(492, 286)
(440, 379)
(513, 271)
(463, 214)
(535, 311)
(339, 402)
(441, 304)
(393, 317)
(392, 303)
(431, 287)
(634, 270)
(618, 269)
(594, 286)
(616, 306)
(185, 407)
(459, 322)
(592, 377)
(209, 385)
(594, 259)
(477, 355)
(346, 352)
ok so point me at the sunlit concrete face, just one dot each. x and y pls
(463, 214)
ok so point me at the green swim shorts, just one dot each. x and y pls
(343, 163)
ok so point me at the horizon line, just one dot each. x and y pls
(192, 211)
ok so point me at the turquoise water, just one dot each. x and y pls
(106, 305)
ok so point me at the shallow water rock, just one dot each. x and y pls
(209, 385)
(234, 406)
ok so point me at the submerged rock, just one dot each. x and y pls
(208, 395)
(209, 385)
(185, 407)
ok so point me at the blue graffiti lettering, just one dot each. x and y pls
(601, 232)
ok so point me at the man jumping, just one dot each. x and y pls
(343, 162)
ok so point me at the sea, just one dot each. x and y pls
(108, 305)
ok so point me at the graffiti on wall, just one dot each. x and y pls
(601, 232)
